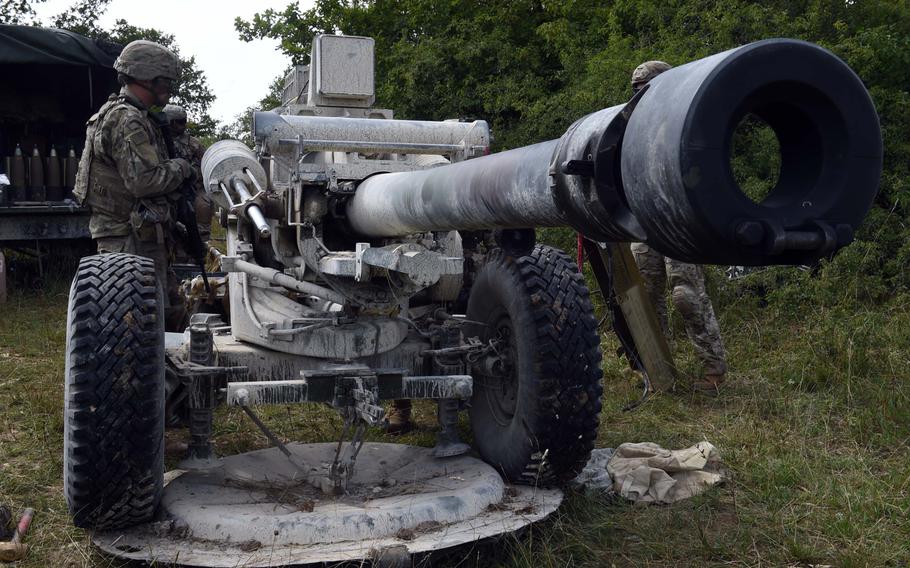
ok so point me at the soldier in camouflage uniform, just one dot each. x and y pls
(687, 282)
(191, 149)
(125, 176)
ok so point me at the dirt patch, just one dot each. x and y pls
(421, 529)
(250, 546)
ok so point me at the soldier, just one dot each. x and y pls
(191, 149)
(125, 176)
(687, 282)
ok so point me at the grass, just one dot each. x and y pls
(814, 426)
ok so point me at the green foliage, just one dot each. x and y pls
(19, 12)
(82, 17)
(192, 90)
(242, 125)
(755, 158)
(530, 68)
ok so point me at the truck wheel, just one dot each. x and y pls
(534, 413)
(113, 461)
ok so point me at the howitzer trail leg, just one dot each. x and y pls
(652, 266)
(201, 401)
(615, 270)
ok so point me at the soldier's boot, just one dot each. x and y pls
(400, 418)
(709, 384)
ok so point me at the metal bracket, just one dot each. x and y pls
(187, 370)
(361, 270)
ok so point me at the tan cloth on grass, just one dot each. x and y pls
(647, 473)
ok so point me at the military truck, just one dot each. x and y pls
(53, 80)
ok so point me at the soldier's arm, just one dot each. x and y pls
(198, 151)
(137, 159)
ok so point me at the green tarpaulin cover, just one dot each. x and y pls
(31, 45)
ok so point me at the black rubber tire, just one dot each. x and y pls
(538, 424)
(113, 464)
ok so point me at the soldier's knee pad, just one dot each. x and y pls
(686, 300)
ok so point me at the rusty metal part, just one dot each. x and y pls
(15, 549)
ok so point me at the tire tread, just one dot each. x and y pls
(114, 425)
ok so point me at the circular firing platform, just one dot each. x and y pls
(255, 510)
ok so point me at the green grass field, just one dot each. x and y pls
(814, 426)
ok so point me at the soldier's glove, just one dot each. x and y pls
(181, 229)
(186, 169)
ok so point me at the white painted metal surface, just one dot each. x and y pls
(342, 71)
(254, 511)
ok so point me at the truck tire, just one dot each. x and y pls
(113, 461)
(536, 418)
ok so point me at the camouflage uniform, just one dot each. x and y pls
(190, 149)
(687, 281)
(128, 182)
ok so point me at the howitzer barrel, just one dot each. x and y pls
(658, 169)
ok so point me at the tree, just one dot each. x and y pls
(437, 60)
(82, 18)
(192, 90)
(19, 12)
(531, 67)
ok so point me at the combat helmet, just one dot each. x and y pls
(174, 112)
(145, 60)
(647, 71)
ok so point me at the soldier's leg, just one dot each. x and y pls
(175, 317)
(692, 301)
(174, 308)
(115, 244)
(651, 265)
(204, 213)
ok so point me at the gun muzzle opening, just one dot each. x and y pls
(688, 138)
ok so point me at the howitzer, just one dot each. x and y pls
(374, 259)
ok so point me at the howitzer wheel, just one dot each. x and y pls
(113, 462)
(535, 418)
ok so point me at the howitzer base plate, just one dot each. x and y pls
(254, 510)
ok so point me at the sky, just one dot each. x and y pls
(238, 73)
